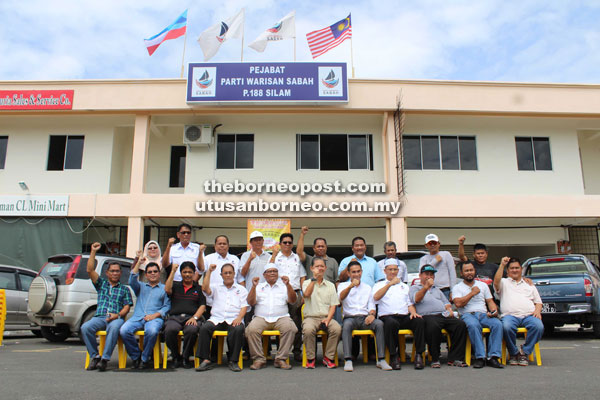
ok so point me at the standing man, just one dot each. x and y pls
(221, 257)
(290, 266)
(229, 305)
(271, 299)
(442, 261)
(389, 248)
(254, 260)
(187, 306)
(484, 270)
(397, 311)
(371, 272)
(114, 301)
(359, 313)
(478, 310)
(521, 305)
(321, 301)
(433, 305)
(177, 253)
(151, 307)
(320, 250)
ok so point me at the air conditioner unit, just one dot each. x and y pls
(197, 135)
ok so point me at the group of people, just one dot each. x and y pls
(300, 296)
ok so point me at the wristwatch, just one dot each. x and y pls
(196, 318)
(313, 279)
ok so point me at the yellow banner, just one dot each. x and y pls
(270, 228)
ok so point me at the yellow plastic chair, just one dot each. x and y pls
(2, 313)
(220, 336)
(468, 346)
(364, 335)
(122, 356)
(140, 335)
(536, 350)
(265, 336)
(323, 335)
(166, 350)
(401, 345)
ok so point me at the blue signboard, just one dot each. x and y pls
(267, 82)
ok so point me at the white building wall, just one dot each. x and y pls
(159, 159)
(589, 146)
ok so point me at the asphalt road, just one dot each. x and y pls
(32, 368)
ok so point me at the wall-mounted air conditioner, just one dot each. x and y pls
(197, 135)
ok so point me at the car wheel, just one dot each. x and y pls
(549, 329)
(55, 334)
(596, 327)
(37, 332)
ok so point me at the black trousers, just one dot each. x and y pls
(433, 336)
(393, 323)
(235, 340)
(173, 325)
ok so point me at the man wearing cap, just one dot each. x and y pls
(389, 248)
(397, 311)
(252, 264)
(442, 261)
(320, 250)
(370, 271)
(433, 305)
(478, 310)
(359, 313)
(271, 299)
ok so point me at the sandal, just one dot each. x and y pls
(436, 364)
(458, 363)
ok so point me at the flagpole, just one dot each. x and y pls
(183, 56)
(243, 29)
(352, 57)
(294, 48)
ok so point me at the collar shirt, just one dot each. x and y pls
(359, 301)
(518, 298)
(395, 301)
(256, 267)
(402, 269)
(370, 270)
(111, 299)
(445, 276)
(331, 273)
(291, 267)
(433, 302)
(323, 296)
(227, 302)
(186, 301)
(150, 299)
(477, 302)
(271, 301)
(219, 261)
(178, 254)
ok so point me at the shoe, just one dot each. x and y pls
(494, 363)
(298, 357)
(436, 364)
(93, 364)
(383, 365)
(258, 365)
(457, 363)
(187, 364)
(136, 363)
(102, 365)
(479, 363)
(310, 364)
(419, 364)
(328, 363)
(514, 360)
(396, 366)
(147, 364)
(178, 362)
(523, 360)
(234, 366)
(205, 366)
(282, 364)
(348, 366)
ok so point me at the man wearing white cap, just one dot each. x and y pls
(270, 299)
(252, 264)
(389, 248)
(442, 261)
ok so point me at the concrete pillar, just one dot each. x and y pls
(139, 159)
(135, 235)
(397, 231)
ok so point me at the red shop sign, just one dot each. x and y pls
(36, 99)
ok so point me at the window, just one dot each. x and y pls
(7, 280)
(177, 172)
(25, 281)
(65, 152)
(235, 151)
(440, 152)
(334, 152)
(533, 154)
(3, 146)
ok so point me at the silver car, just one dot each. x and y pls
(15, 281)
(62, 297)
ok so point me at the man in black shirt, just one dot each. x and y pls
(484, 271)
(187, 306)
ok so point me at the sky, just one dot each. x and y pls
(477, 40)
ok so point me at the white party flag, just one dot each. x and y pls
(211, 39)
(285, 28)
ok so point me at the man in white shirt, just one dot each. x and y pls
(270, 300)
(185, 250)
(229, 301)
(289, 265)
(359, 313)
(442, 261)
(221, 257)
(521, 305)
(389, 248)
(397, 311)
(478, 310)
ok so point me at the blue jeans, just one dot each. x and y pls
(535, 330)
(150, 328)
(88, 333)
(475, 322)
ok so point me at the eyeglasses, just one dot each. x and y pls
(185, 232)
(153, 248)
(286, 242)
(152, 272)
(271, 271)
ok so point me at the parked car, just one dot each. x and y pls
(62, 297)
(15, 281)
(569, 288)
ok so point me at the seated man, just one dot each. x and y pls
(229, 306)
(187, 306)
(151, 307)
(433, 305)
(114, 301)
(471, 297)
(321, 301)
(521, 305)
(397, 311)
(359, 313)
(270, 300)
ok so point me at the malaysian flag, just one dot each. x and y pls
(323, 40)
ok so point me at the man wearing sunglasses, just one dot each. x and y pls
(185, 250)
(442, 261)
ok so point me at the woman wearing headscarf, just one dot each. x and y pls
(152, 254)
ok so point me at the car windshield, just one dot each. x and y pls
(57, 267)
(412, 265)
(560, 267)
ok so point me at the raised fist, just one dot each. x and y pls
(276, 249)
(96, 246)
(395, 281)
(255, 280)
(138, 253)
(285, 280)
(461, 240)
(212, 267)
(202, 248)
(304, 230)
(355, 282)
(171, 242)
(505, 260)
(252, 256)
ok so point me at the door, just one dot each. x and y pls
(8, 282)
(24, 281)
